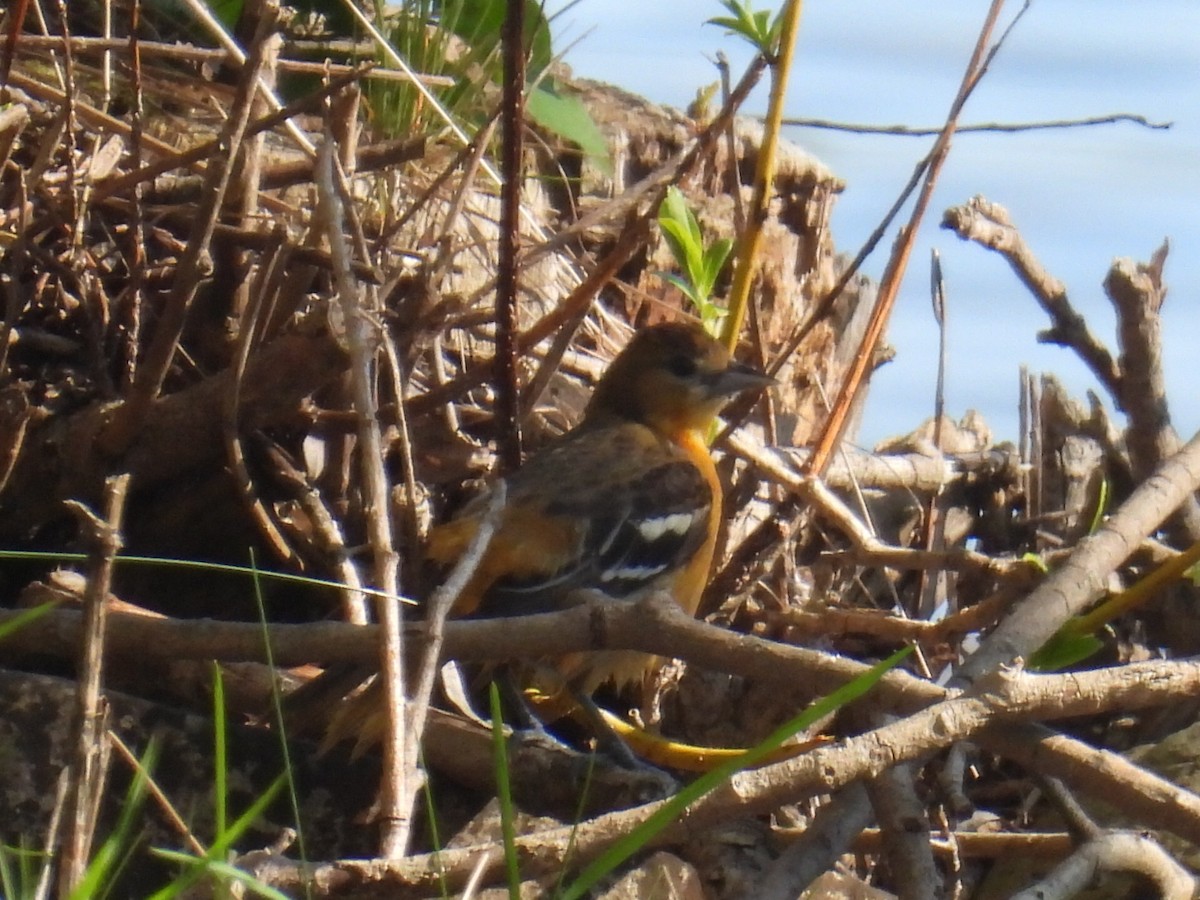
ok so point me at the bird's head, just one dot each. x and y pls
(671, 377)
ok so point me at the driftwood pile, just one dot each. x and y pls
(175, 380)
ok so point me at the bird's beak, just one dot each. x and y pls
(736, 378)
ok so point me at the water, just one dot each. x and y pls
(1081, 197)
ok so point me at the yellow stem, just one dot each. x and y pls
(1136, 594)
(764, 176)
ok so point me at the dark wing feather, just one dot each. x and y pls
(643, 507)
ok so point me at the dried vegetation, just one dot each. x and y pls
(174, 377)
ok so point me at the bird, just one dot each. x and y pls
(625, 503)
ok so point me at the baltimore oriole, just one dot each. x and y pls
(627, 501)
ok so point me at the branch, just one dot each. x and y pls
(996, 127)
(988, 224)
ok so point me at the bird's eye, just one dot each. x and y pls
(683, 366)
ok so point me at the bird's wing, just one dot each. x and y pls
(615, 509)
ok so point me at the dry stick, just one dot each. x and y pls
(974, 844)
(507, 408)
(13, 301)
(438, 609)
(931, 587)
(1115, 852)
(104, 539)
(831, 433)
(180, 159)
(1083, 576)
(247, 327)
(398, 791)
(1137, 292)
(128, 317)
(989, 225)
(756, 792)
(81, 45)
(12, 123)
(53, 832)
(88, 114)
(269, 11)
(825, 307)
(470, 158)
(472, 150)
(1004, 127)
(157, 361)
(890, 629)
(904, 823)
(666, 631)
(822, 497)
(831, 833)
(416, 502)
(328, 538)
(68, 73)
(165, 807)
(247, 186)
(594, 626)
(729, 579)
(16, 20)
(735, 179)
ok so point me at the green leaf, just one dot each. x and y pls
(1064, 650)
(685, 286)
(760, 28)
(1035, 560)
(567, 117)
(683, 246)
(226, 11)
(681, 228)
(481, 23)
(714, 261)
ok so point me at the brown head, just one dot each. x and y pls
(671, 377)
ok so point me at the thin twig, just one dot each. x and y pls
(104, 538)
(81, 45)
(438, 607)
(989, 225)
(157, 361)
(398, 792)
(994, 127)
(832, 430)
(269, 16)
(507, 408)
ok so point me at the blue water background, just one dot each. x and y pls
(1081, 197)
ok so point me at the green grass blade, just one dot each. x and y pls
(277, 710)
(107, 859)
(169, 563)
(220, 752)
(199, 866)
(504, 794)
(24, 617)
